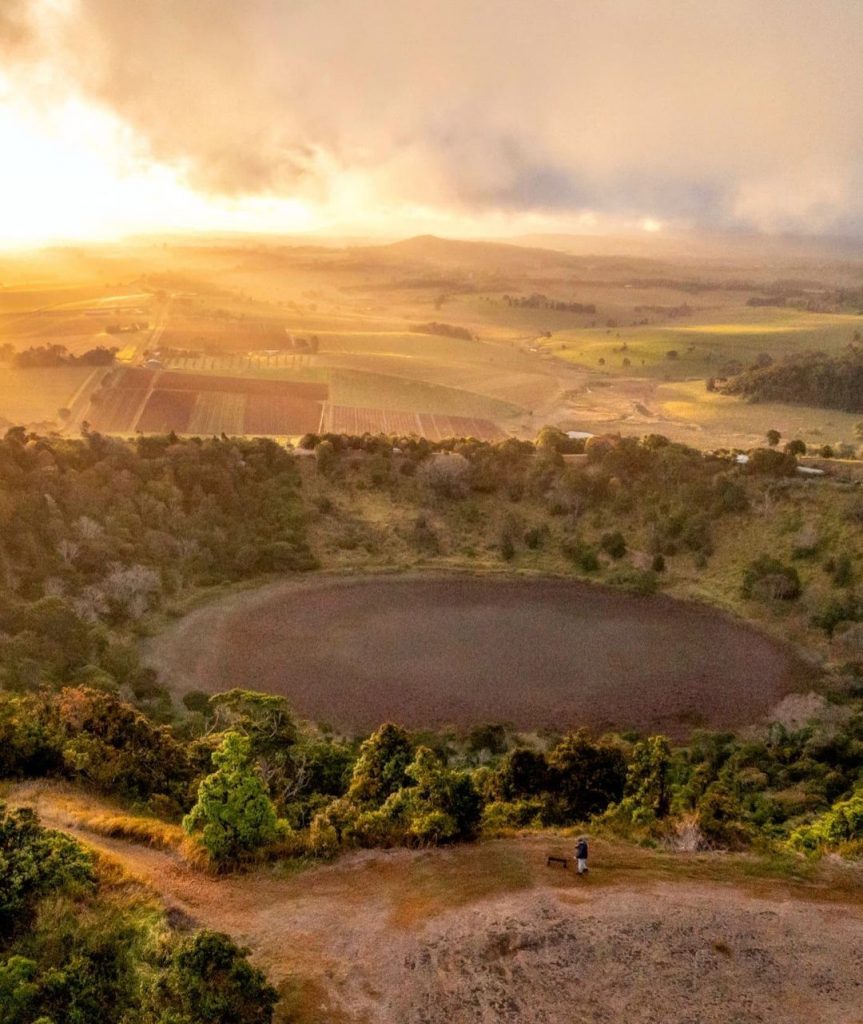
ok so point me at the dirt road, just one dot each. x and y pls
(487, 933)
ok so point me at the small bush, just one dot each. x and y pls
(637, 581)
(613, 544)
(582, 554)
(767, 579)
(839, 827)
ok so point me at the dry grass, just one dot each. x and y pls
(441, 880)
(66, 807)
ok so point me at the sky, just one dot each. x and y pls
(461, 117)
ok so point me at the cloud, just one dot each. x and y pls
(16, 32)
(732, 114)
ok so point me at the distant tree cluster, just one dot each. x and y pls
(538, 301)
(812, 378)
(57, 355)
(445, 330)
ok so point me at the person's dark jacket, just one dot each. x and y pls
(581, 850)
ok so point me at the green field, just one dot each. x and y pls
(702, 347)
(373, 390)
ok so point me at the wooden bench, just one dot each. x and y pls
(563, 861)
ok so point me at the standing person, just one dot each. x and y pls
(581, 855)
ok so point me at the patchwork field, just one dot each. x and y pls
(116, 410)
(153, 401)
(428, 651)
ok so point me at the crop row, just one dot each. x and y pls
(349, 419)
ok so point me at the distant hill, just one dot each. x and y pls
(465, 250)
(512, 257)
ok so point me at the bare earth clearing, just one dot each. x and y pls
(486, 933)
(435, 651)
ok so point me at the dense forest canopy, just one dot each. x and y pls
(812, 378)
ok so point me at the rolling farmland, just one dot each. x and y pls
(224, 335)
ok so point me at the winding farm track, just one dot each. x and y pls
(486, 934)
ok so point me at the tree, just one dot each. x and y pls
(447, 474)
(438, 805)
(769, 462)
(208, 980)
(522, 773)
(234, 813)
(796, 447)
(773, 438)
(443, 804)
(584, 777)
(267, 722)
(647, 783)
(113, 746)
(381, 766)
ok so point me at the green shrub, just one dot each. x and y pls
(234, 814)
(581, 553)
(208, 979)
(34, 862)
(721, 818)
(839, 827)
(381, 766)
(613, 544)
(767, 579)
(502, 815)
(636, 581)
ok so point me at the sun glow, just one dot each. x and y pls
(76, 172)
